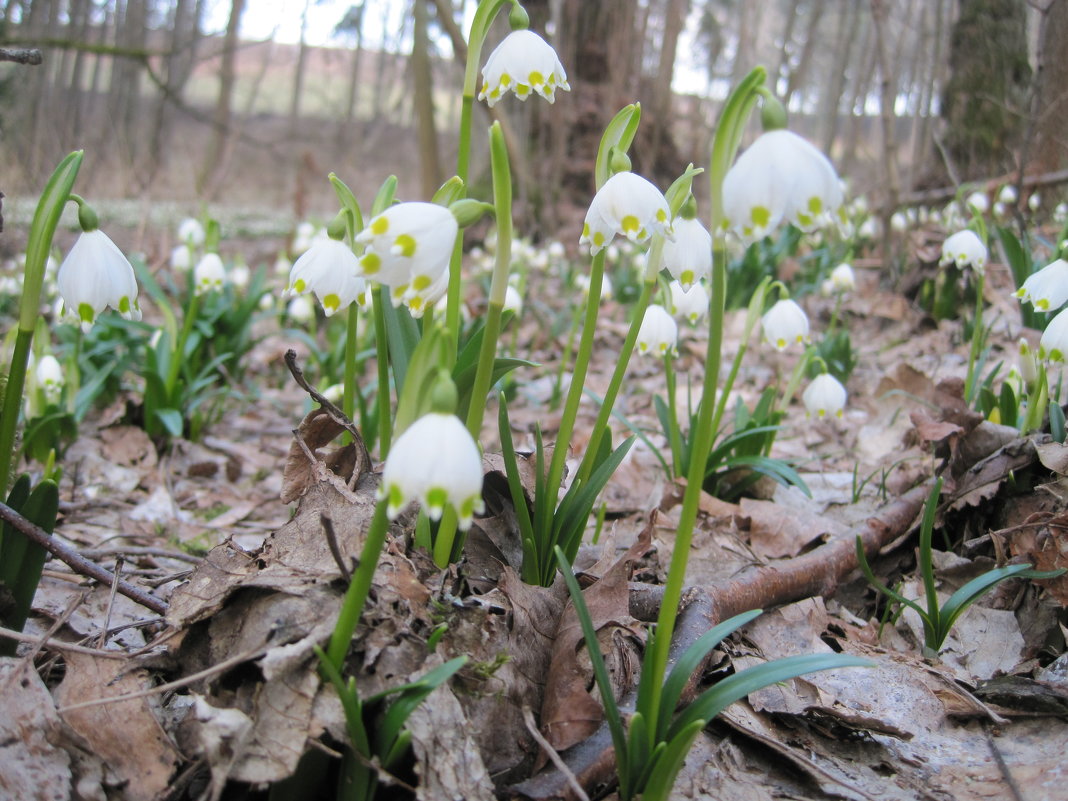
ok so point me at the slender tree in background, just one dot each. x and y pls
(423, 98)
(1050, 109)
(984, 102)
(221, 120)
(351, 26)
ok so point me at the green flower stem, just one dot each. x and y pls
(600, 426)
(977, 340)
(576, 317)
(574, 391)
(356, 595)
(728, 137)
(348, 398)
(673, 417)
(178, 354)
(42, 229)
(485, 13)
(385, 423)
(447, 545)
(502, 201)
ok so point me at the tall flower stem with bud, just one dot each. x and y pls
(43, 227)
(728, 138)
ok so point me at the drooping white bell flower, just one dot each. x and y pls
(96, 275)
(689, 257)
(1054, 343)
(330, 269)
(1034, 202)
(964, 248)
(408, 246)
(824, 397)
(435, 463)
(628, 205)
(1008, 195)
(1048, 288)
(209, 274)
(301, 309)
(785, 324)
(843, 279)
(780, 178)
(523, 63)
(1027, 365)
(978, 201)
(899, 222)
(658, 335)
(691, 304)
(513, 301)
(424, 292)
(191, 232)
(49, 377)
(582, 281)
(181, 258)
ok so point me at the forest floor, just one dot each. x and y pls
(219, 696)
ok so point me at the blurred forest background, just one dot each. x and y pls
(173, 101)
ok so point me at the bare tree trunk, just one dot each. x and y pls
(674, 19)
(860, 90)
(782, 72)
(799, 73)
(298, 73)
(1051, 91)
(345, 130)
(831, 105)
(222, 118)
(423, 99)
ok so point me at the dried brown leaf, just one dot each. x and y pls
(305, 467)
(125, 734)
(35, 766)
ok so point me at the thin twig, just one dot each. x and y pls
(60, 645)
(1006, 774)
(554, 757)
(77, 562)
(22, 55)
(177, 684)
(331, 540)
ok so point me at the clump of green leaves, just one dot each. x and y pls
(938, 619)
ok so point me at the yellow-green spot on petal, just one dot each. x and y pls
(815, 205)
(505, 81)
(415, 303)
(300, 285)
(586, 230)
(396, 500)
(436, 498)
(1042, 303)
(371, 263)
(598, 239)
(661, 216)
(124, 304)
(86, 313)
(760, 215)
(804, 219)
(1019, 292)
(421, 282)
(1055, 355)
(331, 302)
(630, 224)
(780, 343)
(406, 243)
(686, 277)
(521, 90)
(379, 226)
(535, 78)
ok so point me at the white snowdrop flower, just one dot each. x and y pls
(1034, 202)
(556, 250)
(824, 397)
(953, 216)
(209, 274)
(582, 281)
(612, 253)
(658, 334)
(899, 222)
(49, 377)
(1046, 289)
(523, 63)
(780, 178)
(435, 463)
(1028, 363)
(690, 304)
(421, 299)
(1060, 212)
(334, 393)
(240, 276)
(302, 239)
(1001, 211)
(513, 301)
(330, 269)
(301, 309)
(191, 232)
(964, 248)
(181, 258)
(1008, 195)
(627, 205)
(1054, 343)
(96, 275)
(868, 229)
(408, 248)
(785, 324)
(282, 265)
(689, 257)
(978, 201)
(843, 279)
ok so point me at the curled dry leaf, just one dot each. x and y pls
(305, 466)
(35, 765)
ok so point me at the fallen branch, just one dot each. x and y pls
(21, 55)
(944, 194)
(818, 572)
(78, 563)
